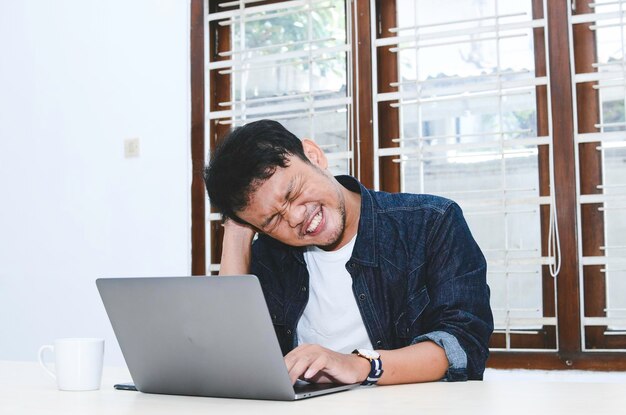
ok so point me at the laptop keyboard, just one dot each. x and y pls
(306, 387)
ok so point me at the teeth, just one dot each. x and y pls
(314, 223)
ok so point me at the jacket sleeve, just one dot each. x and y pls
(459, 317)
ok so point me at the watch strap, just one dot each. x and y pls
(376, 369)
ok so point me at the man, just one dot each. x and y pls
(346, 270)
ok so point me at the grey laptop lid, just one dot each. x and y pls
(205, 336)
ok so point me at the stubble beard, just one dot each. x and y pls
(335, 238)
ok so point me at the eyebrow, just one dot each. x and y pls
(288, 192)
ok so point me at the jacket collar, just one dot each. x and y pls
(365, 246)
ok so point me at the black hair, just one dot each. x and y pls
(244, 159)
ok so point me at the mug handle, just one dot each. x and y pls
(42, 349)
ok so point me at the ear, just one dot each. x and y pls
(314, 153)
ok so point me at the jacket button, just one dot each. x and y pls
(352, 265)
(379, 343)
(273, 316)
(361, 296)
(289, 332)
(303, 288)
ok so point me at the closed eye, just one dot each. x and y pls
(294, 189)
(274, 222)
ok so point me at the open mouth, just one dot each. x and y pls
(314, 225)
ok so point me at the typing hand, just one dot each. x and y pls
(314, 363)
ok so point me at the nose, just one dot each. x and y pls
(296, 215)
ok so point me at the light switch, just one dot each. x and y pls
(131, 147)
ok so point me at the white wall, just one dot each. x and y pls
(77, 77)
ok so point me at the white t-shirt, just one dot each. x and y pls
(331, 318)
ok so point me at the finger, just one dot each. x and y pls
(292, 357)
(289, 362)
(315, 367)
(298, 369)
(296, 354)
(321, 377)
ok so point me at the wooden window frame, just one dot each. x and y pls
(568, 334)
(198, 192)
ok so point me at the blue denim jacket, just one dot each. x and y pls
(417, 275)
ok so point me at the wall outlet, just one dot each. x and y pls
(131, 147)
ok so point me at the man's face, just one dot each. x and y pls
(299, 205)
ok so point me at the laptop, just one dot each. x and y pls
(201, 336)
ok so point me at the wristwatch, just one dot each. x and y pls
(376, 365)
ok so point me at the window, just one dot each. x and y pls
(598, 44)
(464, 98)
(288, 61)
(513, 109)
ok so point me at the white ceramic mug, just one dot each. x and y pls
(78, 363)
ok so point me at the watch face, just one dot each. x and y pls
(370, 354)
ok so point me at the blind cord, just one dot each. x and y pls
(554, 242)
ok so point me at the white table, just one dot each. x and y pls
(26, 389)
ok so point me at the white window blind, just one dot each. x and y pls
(466, 101)
(607, 21)
(289, 61)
